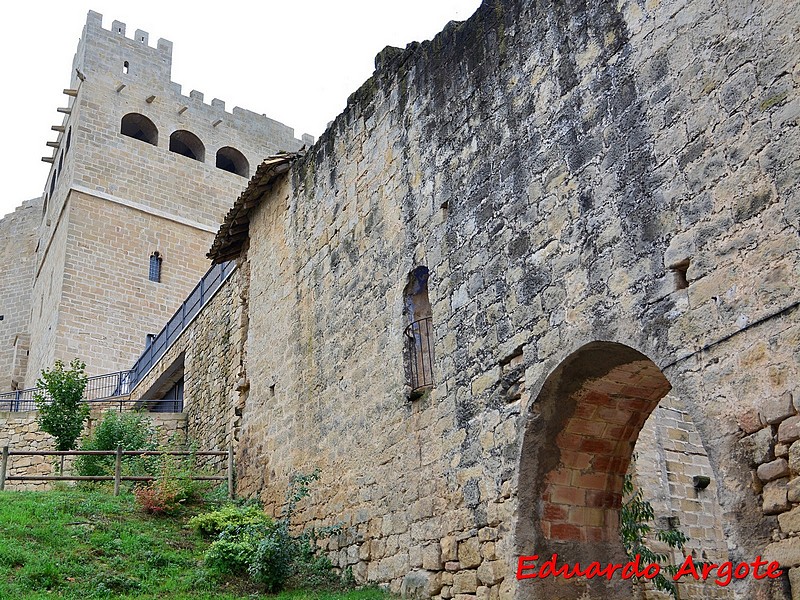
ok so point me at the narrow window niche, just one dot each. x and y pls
(679, 270)
(155, 267)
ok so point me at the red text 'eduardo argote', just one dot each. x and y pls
(722, 573)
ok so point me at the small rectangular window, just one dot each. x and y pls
(155, 267)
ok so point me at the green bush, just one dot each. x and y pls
(132, 431)
(227, 517)
(250, 542)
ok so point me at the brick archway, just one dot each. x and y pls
(579, 442)
(582, 494)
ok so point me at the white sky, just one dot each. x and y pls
(297, 62)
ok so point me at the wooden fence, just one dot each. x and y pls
(118, 476)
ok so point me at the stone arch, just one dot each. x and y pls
(231, 160)
(140, 128)
(187, 144)
(577, 448)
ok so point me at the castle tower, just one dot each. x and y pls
(141, 177)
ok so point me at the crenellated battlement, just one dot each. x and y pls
(95, 20)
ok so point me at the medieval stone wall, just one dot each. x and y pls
(18, 232)
(209, 356)
(605, 198)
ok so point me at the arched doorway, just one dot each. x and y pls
(577, 448)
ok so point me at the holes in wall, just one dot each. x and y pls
(679, 271)
(187, 144)
(231, 160)
(155, 267)
(139, 128)
(125, 67)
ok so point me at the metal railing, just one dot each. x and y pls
(202, 293)
(419, 354)
(98, 388)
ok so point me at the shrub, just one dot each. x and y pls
(250, 542)
(156, 498)
(228, 517)
(172, 488)
(132, 431)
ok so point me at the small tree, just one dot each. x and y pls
(635, 517)
(59, 399)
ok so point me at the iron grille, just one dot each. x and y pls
(419, 355)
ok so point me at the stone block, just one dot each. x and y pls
(793, 492)
(781, 450)
(789, 430)
(758, 446)
(749, 421)
(488, 551)
(775, 497)
(794, 458)
(790, 521)
(794, 582)
(449, 548)
(432, 557)
(773, 470)
(776, 409)
(465, 582)
(469, 553)
(492, 572)
(784, 552)
(420, 585)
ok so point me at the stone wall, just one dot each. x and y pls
(208, 355)
(669, 455)
(18, 235)
(17, 248)
(20, 432)
(605, 198)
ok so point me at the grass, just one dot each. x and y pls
(90, 545)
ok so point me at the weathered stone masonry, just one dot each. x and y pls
(605, 198)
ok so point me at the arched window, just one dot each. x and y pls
(419, 333)
(125, 67)
(155, 267)
(188, 144)
(231, 160)
(69, 138)
(139, 127)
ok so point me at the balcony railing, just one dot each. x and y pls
(200, 295)
(98, 388)
(419, 355)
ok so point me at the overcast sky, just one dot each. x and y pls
(297, 62)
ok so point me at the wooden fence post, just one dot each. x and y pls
(3, 467)
(117, 469)
(231, 495)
